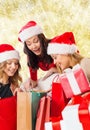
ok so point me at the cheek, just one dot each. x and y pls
(66, 63)
(29, 47)
(39, 45)
(17, 67)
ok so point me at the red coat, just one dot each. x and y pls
(43, 66)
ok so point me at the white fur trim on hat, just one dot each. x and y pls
(55, 48)
(7, 55)
(29, 32)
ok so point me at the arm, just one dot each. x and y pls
(33, 78)
(50, 72)
(33, 74)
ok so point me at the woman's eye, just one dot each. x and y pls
(28, 44)
(9, 63)
(16, 63)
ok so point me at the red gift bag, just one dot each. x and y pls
(8, 113)
(59, 100)
(43, 114)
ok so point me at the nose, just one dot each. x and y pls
(34, 46)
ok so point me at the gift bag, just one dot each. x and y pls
(74, 81)
(24, 111)
(27, 105)
(8, 113)
(59, 100)
(36, 96)
(43, 114)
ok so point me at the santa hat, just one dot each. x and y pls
(8, 52)
(29, 30)
(63, 44)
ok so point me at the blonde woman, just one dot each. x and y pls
(65, 53)
(9, 70)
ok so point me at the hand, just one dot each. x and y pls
(17, 90)
(33, 83)
(28, 85)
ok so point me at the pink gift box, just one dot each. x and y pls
(74, 81)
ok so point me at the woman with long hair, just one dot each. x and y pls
(35, 47)
(9, 70)
(66, 54)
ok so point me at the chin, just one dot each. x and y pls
(38, 54)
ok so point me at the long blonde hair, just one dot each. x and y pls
(16, 79)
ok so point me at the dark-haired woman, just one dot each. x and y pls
(35, 47)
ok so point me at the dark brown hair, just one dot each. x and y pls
(34, 59)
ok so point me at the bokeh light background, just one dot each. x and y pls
(54, 16)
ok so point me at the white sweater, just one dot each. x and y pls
(85, 64)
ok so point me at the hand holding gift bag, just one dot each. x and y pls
(44, 84)
(74, 81)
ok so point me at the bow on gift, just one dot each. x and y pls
(54, 124)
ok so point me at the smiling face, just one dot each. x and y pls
(33, 44)
(11, 67)
(62, 61)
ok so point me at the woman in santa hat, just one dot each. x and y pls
(35, 47)
(75, 85)
(9, 70)
(66, 54)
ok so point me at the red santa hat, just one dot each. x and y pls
(63, 44)
(8, 52)
(29, 30)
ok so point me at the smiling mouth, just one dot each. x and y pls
(38, 50)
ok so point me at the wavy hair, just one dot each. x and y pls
(76, 58)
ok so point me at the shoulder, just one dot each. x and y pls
(85, 62)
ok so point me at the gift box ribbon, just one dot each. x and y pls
(84, 107)
(72, 80)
